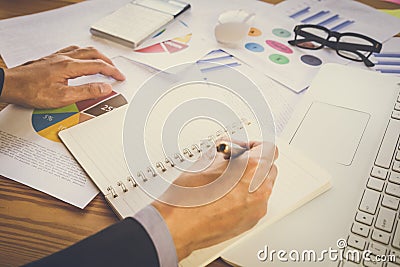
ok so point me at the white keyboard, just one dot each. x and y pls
(376, 224)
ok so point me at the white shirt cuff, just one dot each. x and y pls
(153, 222)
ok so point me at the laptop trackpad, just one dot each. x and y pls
(330, 132)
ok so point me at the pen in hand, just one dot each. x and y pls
(230, 150)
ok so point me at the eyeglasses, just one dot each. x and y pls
(353, 46)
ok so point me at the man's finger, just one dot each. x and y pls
(67, 49)
(88, 53)
(77, 93)
(269, 181)
(79, 68)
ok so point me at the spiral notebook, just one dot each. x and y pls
(98, 146)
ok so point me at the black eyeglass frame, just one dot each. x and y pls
(375, 46)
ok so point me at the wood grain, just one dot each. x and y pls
(33, 224)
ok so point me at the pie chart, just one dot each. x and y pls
(48, 122)
(170, 46)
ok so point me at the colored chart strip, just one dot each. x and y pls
(300, 12)
(218, 56)
(173, 47)
(82, 105)
(84, 117)
(388, 63)
(107, 105)
(214, 68)
(170, 46)
(389, 71)
(315, 16)
(329, 20)
(42, 121)
(387, 55)
(48, 122)
(51, 132)
(67, 109)
(342, 25)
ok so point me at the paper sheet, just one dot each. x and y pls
(388, 60)
(342, 16)
(46, 32)
(50, 31)
(281, 100)
(266, 47)
(31, 152)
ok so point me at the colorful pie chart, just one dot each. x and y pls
(170, 46)
(48, 122)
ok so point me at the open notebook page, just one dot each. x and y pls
(97, 145)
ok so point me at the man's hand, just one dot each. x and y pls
(235, 213)
(43, 83)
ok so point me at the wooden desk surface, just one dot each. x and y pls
(33, 224)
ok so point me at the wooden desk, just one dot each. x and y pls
(33, 224)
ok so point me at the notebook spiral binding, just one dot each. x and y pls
(168, 162)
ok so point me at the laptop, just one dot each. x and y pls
(349, 123)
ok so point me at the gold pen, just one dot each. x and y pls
(230, 150)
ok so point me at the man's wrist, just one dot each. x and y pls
(156, 227)
(176, 228)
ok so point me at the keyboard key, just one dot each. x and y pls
(390, 202)
(380, 236)
(372, 262)
(379, 172)
(376, 248)
(375, 184)
(356, 242)
(360, 229)
(396, 114)
(385, 219)
(393, 189)
(396, 237)
(364, 218)
(396, 166)
(388, 144)
(398, 155)
(394, 177)
(369, 201)
(349, 264)
(395, 253)
(397, 106)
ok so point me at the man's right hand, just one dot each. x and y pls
(236, 212)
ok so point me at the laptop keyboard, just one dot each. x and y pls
(376, 224)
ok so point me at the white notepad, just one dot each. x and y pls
(133, 23)
(97, 145)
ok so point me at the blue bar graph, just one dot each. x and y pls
(235, 64)
(217, 56)
(300, 12)
(342, 25)
(315, 16)
(389, 71)
(214, 59)
(329, 20)
(387, 55)
(388, 63)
